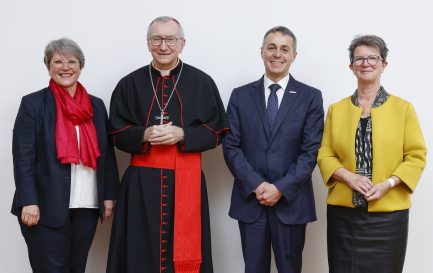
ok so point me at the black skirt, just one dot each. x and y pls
(366, 242)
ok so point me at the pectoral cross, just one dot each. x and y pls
(161, 118)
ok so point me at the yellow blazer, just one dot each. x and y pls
(398, 149)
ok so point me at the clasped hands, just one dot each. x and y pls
(267, 194)
(165, 134)
(363, 185)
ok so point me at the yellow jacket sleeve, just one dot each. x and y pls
(327, 158)
(414, 151)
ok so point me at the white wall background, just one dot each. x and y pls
(223, 39)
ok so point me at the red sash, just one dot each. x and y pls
(187, 206)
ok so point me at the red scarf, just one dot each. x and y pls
(71, 111)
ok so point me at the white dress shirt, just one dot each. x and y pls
(280, 92)
(84, 192)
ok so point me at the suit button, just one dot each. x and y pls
(269, 152)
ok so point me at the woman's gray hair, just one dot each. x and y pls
(63, 46)
(283, 30)
(165, 19)
(370, 41)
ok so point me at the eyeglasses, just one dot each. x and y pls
(170, 40)
(70, 63)
(371, 60)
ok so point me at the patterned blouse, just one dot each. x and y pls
(364, 145)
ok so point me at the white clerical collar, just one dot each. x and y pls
(283, 82)
(167, 71)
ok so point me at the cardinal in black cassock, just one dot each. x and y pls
(161, 223)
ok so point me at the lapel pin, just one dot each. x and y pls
(292, 92)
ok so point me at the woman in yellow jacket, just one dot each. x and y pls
(371, 159)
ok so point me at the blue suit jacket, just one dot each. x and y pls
(40, 178)
(285, 157)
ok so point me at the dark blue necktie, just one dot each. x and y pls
(272, 108)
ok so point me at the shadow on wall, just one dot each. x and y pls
(226, 245)
(315, 251)
(97, 261)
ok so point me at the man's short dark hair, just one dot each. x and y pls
(283, 30)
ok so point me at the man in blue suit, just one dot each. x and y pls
(276, 126)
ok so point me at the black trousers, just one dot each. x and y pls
(63, 249)
(366, 242)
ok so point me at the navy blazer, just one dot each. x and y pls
(285, 157)
(40, 178)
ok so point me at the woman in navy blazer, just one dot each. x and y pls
(64, 166)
